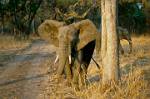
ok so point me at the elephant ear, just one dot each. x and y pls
(88, 32)
(48, 30)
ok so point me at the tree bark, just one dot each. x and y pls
(2, 32)
(2, 17)
(94, 2)
(109, 49)
(33, 26)
(53, 6)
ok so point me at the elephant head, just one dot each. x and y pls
(48, 31)
(76, 35)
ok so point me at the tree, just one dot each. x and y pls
(109, 48)
(3, 6)
(2, 16)
(52, 4)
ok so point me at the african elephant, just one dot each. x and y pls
(124, 34)
(84, 57)
(76, 43)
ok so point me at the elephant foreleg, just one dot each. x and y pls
(121, 49)
(67, 68)
(68, 73)
(76, 72)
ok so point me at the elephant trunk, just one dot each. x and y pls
(64, 55)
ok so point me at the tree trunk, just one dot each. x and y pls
(33, 26)
(2, 17)
(94, 2)
(2, 32)
(53, 9)
(109, 49)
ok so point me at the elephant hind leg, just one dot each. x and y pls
(83, 75)
(120, 48)
(76, 71)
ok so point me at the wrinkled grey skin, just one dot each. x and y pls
(76, 40)
(77, 36)
(72, 41)
(67, 37)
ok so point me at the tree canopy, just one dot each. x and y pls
(22, 17)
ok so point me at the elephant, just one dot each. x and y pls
(124, 34)
(76, 43)
(84, 57)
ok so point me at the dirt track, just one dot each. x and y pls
(25, 76)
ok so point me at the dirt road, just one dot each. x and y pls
(25, 75)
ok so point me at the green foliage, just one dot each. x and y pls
(19, 13)
(65, 2)
(131, 17)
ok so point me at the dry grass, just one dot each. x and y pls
(131, 85)
(8, 42)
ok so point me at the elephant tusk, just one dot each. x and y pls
(57, 57)
(69, 59)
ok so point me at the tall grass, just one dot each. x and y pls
(8, 42)
(131, 86)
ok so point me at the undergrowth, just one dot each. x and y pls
(131, 86)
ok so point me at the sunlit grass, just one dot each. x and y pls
(131, 86)
(8, 42)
